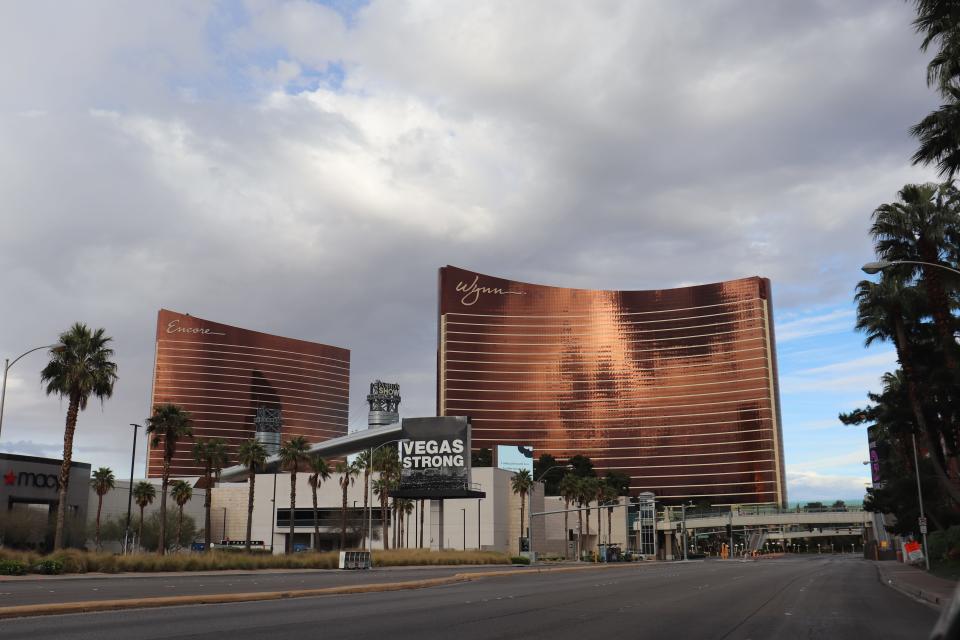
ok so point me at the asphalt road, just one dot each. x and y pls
(836, 598)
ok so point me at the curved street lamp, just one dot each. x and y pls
(878, 266)
(56, 348)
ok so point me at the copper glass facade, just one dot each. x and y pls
(223, 375)
(676, 388)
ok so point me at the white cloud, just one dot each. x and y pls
(859, 375)
(810, 485)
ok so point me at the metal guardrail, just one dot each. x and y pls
(755, 511)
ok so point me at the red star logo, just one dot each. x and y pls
(10, 478)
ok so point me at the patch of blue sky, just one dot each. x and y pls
(824, 370)
(348, 9)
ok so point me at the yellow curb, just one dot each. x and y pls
(89, 606)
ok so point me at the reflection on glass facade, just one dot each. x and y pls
(676, 388)
(232, 380)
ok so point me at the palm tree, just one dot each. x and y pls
(321, 473)
(348, 474)
(406, 508)
(421, 522)
(568, 489)
(181, 492)
(143, 494)
(101, 482)
(521, 484)
(918, 228)
(252, 455)
(212, 454)
(79, 367)
(292, 454)
(387, 464)
(168, 424)
(881, 311)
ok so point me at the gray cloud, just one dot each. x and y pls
(214, 160)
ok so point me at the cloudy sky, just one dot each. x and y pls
(303, 168)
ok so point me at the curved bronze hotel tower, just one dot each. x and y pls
(235, 382)
(676, 388)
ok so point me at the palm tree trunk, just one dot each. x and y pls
(99, 508)
(523, 522)
(343, 513)
(179, 526)
(421, 522)
(73, 409)
(293, 509)
(566, 529)
(609, 524)
(207, 534)
(253, 479)
(940, 306)
(316, 517)
(162, 544)
(383, 517)
(140, 531)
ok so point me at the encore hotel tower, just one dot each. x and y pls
(677, 388)
(231, 379)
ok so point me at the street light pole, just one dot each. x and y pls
(57, 348)
(133, 456)
(683, 511)
(464, 529)
(923, 520)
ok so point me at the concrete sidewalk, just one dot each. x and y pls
(916, 582)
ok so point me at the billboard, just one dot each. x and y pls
(435, 454)
(515, 458)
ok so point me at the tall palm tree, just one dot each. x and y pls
(569, 487)
(588, 488)
(598, 493)
(293, 454)
(387, 463)
(917, 228)
(521, 484)
(101, 481)
(169, 424)
(348, 474)
(321, 473)
(610, 498)
(421, 522)
(252, 455)
(881, 311)
(181, 492)
(80, 366)
(211, 453)
(143, 494)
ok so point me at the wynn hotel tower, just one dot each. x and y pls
(238, 384)
(677, 388)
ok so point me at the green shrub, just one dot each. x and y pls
(49, 566)
(519, 560)
(12, 568)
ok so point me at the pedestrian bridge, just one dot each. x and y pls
(840, 520)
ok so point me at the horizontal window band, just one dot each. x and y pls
(565, 429)
(619, 340)
(247, 346)
(308, 424)
(709, 464)
(204, 371)
(628, 353)
(660, 447)
(169, 360)
(554, 361)
(629, 376)
(706, 495)
(633, 447)
(713, 484)
(184, 400)
(468, 411)
(628, 313)
(602, 329)
(215, 355)
(636, 385)
(330, 398)
(614, 399)
(689, 455)
(698, 475)
(250, 399)
(553, 418)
